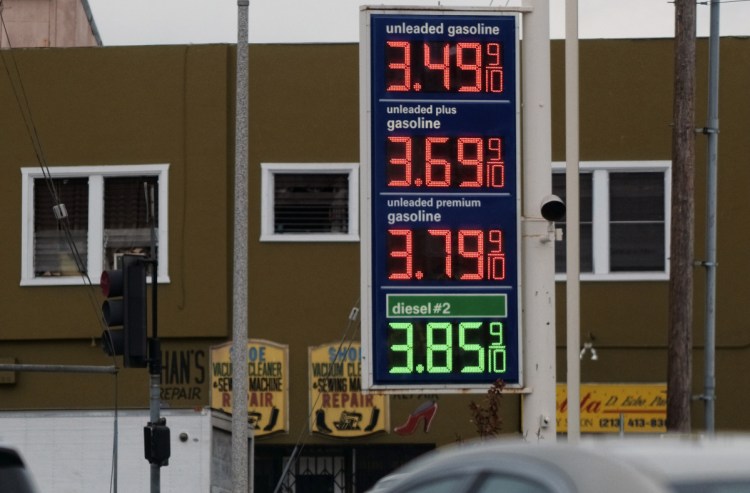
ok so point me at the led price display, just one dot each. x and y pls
(440, 269)
(423, 66)
(469, 348)
(445, 254)
(442, 161)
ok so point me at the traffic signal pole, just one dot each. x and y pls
(154, 369)
(156, 438)
(125, 306)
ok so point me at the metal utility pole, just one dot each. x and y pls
(572, 222)
(679, 357)
(712, 131)
(239, 298)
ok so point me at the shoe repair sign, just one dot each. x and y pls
(268, 384)
(338, 407)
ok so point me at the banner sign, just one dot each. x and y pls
(268, 384)
(338, 408)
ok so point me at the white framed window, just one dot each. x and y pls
(624, 220)
(309, 202)
(108, 211)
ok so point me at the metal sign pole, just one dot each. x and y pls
(712, 130)
(572, 222)
(538, 254)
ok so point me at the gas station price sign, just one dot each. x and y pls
(440, 203)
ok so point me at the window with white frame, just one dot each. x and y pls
(624, 220)
(309, 202)
(80, 219)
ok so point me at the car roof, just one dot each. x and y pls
(560, 466)
(678, 458)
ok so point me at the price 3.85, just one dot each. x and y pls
(468, 347)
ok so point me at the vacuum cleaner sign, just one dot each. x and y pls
(338, 406)
(268, 378)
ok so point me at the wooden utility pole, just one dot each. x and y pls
(679, 360)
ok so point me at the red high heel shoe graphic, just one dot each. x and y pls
(426, 411)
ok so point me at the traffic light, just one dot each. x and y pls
(157, 448)
(125, 306)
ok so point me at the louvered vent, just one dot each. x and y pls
(52, 253)
(311, 203)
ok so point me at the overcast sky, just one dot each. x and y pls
(140, 22)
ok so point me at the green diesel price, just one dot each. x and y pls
(446, 333)
(435, 347)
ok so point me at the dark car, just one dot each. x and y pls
(14, 476)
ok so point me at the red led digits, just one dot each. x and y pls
(400, 69)
(496, 256)
(404, 252)
(460, 67)
(436, 167)
(441, 162)
(402, 158)
(493, 72)
(495, 164)
(463, 52)
(439, 254)
(447, 248)
(476, 145)
(444, 65)
(473, 250)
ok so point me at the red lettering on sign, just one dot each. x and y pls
(347, 399)
(261, 399)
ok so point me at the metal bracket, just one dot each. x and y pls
(707, 130)
(704, 263)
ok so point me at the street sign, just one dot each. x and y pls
(440, 211)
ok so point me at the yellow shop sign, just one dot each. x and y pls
(338, 407)
(268, 384)
(640, 407)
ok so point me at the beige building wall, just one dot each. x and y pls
(47, 23)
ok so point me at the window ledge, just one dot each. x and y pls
(619, 277)
(313, 237)
(74, 281)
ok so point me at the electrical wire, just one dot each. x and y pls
(19, 93)
(299, 445)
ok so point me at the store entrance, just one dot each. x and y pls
(328, 469)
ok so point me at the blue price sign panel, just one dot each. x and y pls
(440, 208)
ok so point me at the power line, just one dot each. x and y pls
(60, 213)
(58, 210)
(347, 336)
